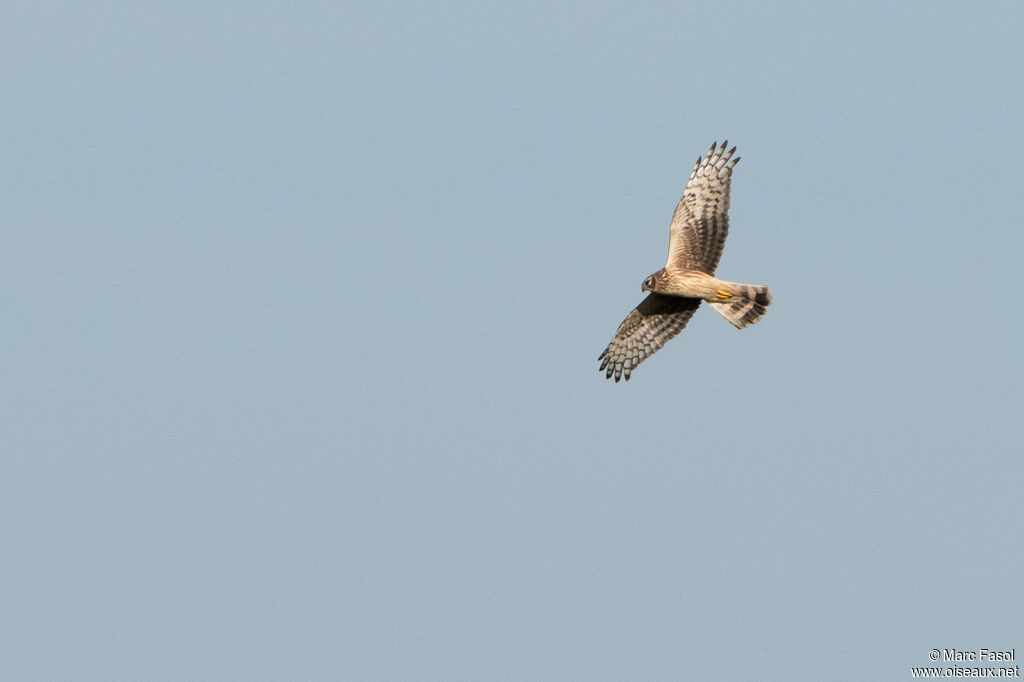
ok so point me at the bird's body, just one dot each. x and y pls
(696, 239)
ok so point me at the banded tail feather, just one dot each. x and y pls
(758, 294)
(748, 307)
(742, 312)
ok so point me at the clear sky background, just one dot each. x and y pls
(302, 305)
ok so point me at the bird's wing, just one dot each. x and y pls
(644, 331)
(701, 221)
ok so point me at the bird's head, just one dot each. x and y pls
(651, 283)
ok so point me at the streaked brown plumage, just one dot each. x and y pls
(696, 239)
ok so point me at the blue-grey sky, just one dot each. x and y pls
(302, 308)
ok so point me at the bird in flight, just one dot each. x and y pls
(696, 238)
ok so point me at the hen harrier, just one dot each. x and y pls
(696, 237)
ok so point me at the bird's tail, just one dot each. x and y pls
(748, 304)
